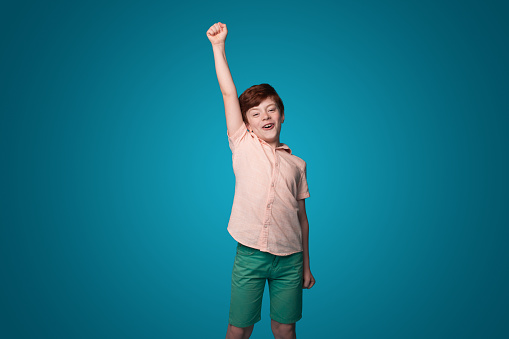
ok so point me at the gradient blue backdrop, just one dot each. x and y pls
(116, 178)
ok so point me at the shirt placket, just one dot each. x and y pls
(267, 218)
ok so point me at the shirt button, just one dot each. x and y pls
(265, 226)
(276, 163)
(268, 206)
(272, 184)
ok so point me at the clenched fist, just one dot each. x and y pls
(217, 33)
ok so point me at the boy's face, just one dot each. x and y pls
(265, 121)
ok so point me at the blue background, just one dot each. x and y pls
(116, 178)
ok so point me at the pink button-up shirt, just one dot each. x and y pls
(268, 183)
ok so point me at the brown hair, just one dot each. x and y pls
(254, 95)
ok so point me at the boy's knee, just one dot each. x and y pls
(283, 331)
(239, 332)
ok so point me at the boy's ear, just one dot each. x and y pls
(248, 127)
(283, 118)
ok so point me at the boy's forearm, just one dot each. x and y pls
(305, 243)
(223, 73)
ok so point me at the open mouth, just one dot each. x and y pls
(268, 126)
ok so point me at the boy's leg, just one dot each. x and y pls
(285, 286)
(249, 274)
(283, 331)
(234, 332)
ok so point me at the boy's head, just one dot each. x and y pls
(254, 95)
(263, 112)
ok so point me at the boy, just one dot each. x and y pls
(268, 218)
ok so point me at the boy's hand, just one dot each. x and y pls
(217, 33)
(308, 279)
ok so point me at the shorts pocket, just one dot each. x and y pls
(244, 250)
(298, 262)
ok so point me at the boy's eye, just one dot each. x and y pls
(255, 114)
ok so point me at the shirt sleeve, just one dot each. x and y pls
(237, 136)
(302, 189)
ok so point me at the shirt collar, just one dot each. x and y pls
(280, 147)
(284, 147)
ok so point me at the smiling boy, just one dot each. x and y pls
(268, 218)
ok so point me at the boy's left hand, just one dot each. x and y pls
(217, 33)
(308, 279)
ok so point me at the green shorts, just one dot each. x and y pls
(250, 271)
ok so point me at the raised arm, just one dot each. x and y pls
(217, 35)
